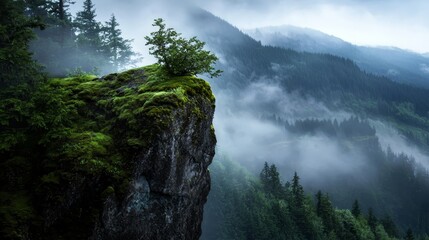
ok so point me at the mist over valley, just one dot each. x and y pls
(321, 120)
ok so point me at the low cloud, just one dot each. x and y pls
(424, 68)
(247, 138)
(390, 137)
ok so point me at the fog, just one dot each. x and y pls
(371, 23)
(246, 137)
(390, 138)
(239, 127)
(241, 132)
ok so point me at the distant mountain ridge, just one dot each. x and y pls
(398, 64)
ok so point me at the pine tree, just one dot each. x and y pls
(409, 235)
(60, 18)
(16, 63)
(37, 9)
(59, 9)
(270, 179)
(55, 46)
(94, 54)
(356, 208)
(372, 220)
(297, 191)
(325, 211)
(319, 203)
(118, 49)
(298, 208)
(275, 183)
(88, 29)
(264, 175)
(389, 226)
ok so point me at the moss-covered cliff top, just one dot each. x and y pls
(79, 129)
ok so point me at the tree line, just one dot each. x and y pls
(46, 31)
(78, 42)
(399, 185)
(241, 206)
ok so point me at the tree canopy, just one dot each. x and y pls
(180, 56)
(16, 63)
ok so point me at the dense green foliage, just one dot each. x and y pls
(398, 185)
(178, 55)
(80, 43)
(16, 64)
(243, 207)
(71, 132)
(71, 142)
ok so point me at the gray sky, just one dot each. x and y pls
(398, 23)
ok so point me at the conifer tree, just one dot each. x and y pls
(55, 46)
(276, 185)
(60, 18)
(409, 235)
(356, 208)
(319, 203)
(264, 175)
(389, 226)
(372, 220)
(16, 63)
(325, 211)
(37, 9)
(298, 208)
(270, 179)
(88, 29)
(118, 49)
(297, 191)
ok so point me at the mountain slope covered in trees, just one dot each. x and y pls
(241, 206)
(337, 82)
(400, 65)
(341, 86)
(393, 183)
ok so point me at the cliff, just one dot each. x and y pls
(124, 156)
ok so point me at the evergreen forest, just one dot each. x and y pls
(50, 58)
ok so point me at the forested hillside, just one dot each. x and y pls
(398, 64)
(393, 186)
(358, 143)
(337, 82)
(242, 206)
(391, 182)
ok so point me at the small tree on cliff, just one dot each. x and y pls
(180, 56)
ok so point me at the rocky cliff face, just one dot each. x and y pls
(170, 181)
(130, 161)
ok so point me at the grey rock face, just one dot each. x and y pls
(170, 182)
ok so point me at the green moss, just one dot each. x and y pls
(84, 127)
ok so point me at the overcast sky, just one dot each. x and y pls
(398, 23)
